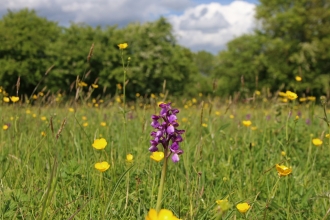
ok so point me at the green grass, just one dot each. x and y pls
(41, 176)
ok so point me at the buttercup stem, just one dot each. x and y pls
(161, 184)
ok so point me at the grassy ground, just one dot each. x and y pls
(47, 166)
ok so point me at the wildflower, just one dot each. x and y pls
(153, 96)
(129, 157)
(311, 98)
(184, 119)
(225, 179)
(204, 125)
(327, 135)
(99, 144)
(217, 113)
(224, 204)
(283, 94)
(285, 100)
(43, 133)
(85, 124)
(246, 123)
(200, 94)
(283, 170)
(137, 95)
(298, 78)
(6, 99)
(317, 142)
(14, 98)
(118, 99)
(41, 94)
(43, 118)
(35, 96)
(283, 153)
(243, 207)
(302, 99)
(28, 111)
(164, 214)
(119, 86)
(231, 116)
(71, 109)
(103, 124)
(84, 118)
(157, 156)
(166, 132)
(291, 95)
(257, 92)
(122, 46)
(194, 100)
(82, 84)
(253, 128)
(5, 127)
(34, 115)
(103, 166)
(95, 86)
(297, 117)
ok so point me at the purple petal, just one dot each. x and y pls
(170, 129)
(153, 148)
(172, 118)
(175, 158)
(155, 124)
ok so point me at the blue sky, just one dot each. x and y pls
(198, 24)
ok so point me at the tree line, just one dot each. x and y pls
(292, 39)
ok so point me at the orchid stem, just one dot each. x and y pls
(161, 184)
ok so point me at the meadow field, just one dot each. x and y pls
(230, 152)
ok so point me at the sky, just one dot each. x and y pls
(197, 24)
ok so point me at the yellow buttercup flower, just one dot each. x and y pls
(246, 123)
(85, 124)
(283, 94)
(6, 99)
(14, 98)
(327, 135)
(224, 204)
(122, 46)
(5, 127)
(253, 128)
(231, 116)
(283, 170)
(283, 153)
(157, 156)
(257, 92)
(43, 133)
(103, 124)
(95, 86)
(311, 98)
(204, 125)
(71, 109)
(84, 118)
(302, 99)
(164, 214)
(317, 142)
(291, 95)
(217, 113)
(298, 78)
(82, 84)
(43, 118)
(99, 144)
(35, 96)
(103, 166)
(129, 157)
(243, 207)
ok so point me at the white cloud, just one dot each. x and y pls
(211, 26)
(204, 26)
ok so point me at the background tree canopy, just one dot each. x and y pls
(292, 39)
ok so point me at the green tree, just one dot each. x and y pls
(25, 38)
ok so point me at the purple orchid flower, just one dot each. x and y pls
(166, 132)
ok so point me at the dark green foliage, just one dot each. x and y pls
(293, 40)
(30, 45)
